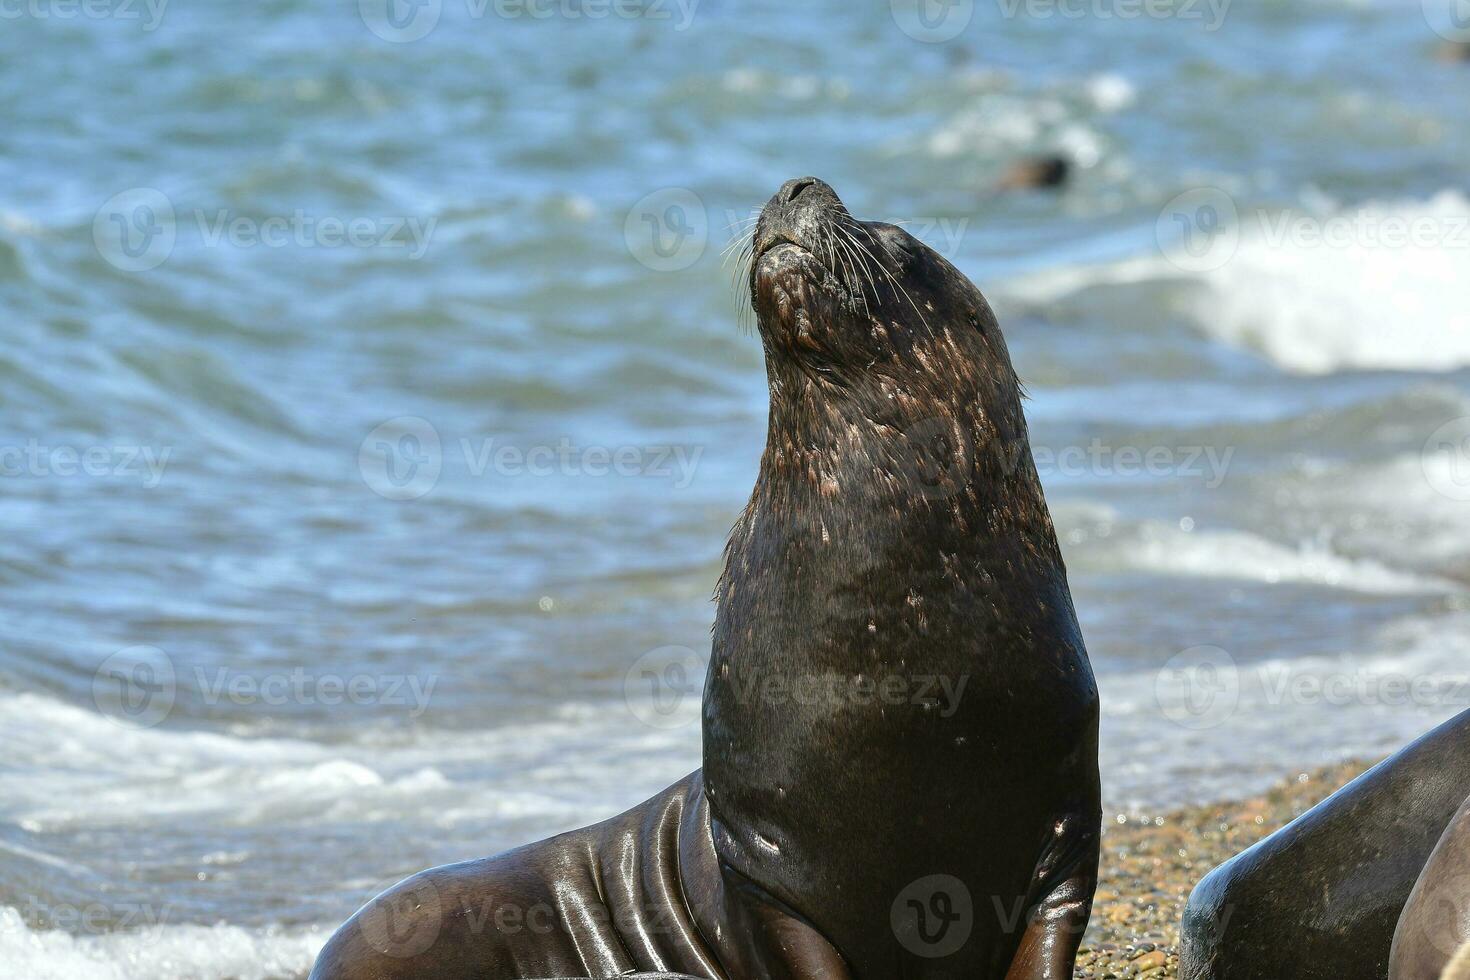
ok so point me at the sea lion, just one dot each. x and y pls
(1320, 899)
(900, 721)
(1036, 173)
(1434, 931)
(1453, 52)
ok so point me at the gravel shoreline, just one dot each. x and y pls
(1150, 864)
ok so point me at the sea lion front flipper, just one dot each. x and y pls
(1067, 878)
(785, 944)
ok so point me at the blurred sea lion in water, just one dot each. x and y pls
(1453, 52)
(900, 721)
(1033, 173)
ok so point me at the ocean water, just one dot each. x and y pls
(375, 404)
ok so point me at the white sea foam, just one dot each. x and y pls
(178, 952)
(1242, 556)
(104, 774)
(1111, 92)
(1366, 304)
(1321, 292)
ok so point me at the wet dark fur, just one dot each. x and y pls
(897, 533)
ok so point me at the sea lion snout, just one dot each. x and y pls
(795, 214)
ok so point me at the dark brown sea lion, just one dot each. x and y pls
(1453, 52)
(1320, 899)
(1434, 930)
(900, 722)
(1044, 172)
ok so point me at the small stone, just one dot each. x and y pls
(1155, 960)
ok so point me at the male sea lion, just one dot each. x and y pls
(1320, 898)
(1433, 935)
(900, 722)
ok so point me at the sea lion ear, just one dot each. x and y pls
(896, 241)
(982, 318)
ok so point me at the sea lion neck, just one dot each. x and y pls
(936, 421)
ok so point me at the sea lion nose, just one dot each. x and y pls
(792, 189)
(806, 192)
(794, 212)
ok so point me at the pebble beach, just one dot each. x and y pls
(1151, 862)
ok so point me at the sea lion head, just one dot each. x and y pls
(840, 297)
(877, 348)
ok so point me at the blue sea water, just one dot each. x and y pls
(375, 403)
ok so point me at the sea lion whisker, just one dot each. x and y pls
(739, 243)
(858, 281)
(896, 284)
(870, 279)
(865, 256)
